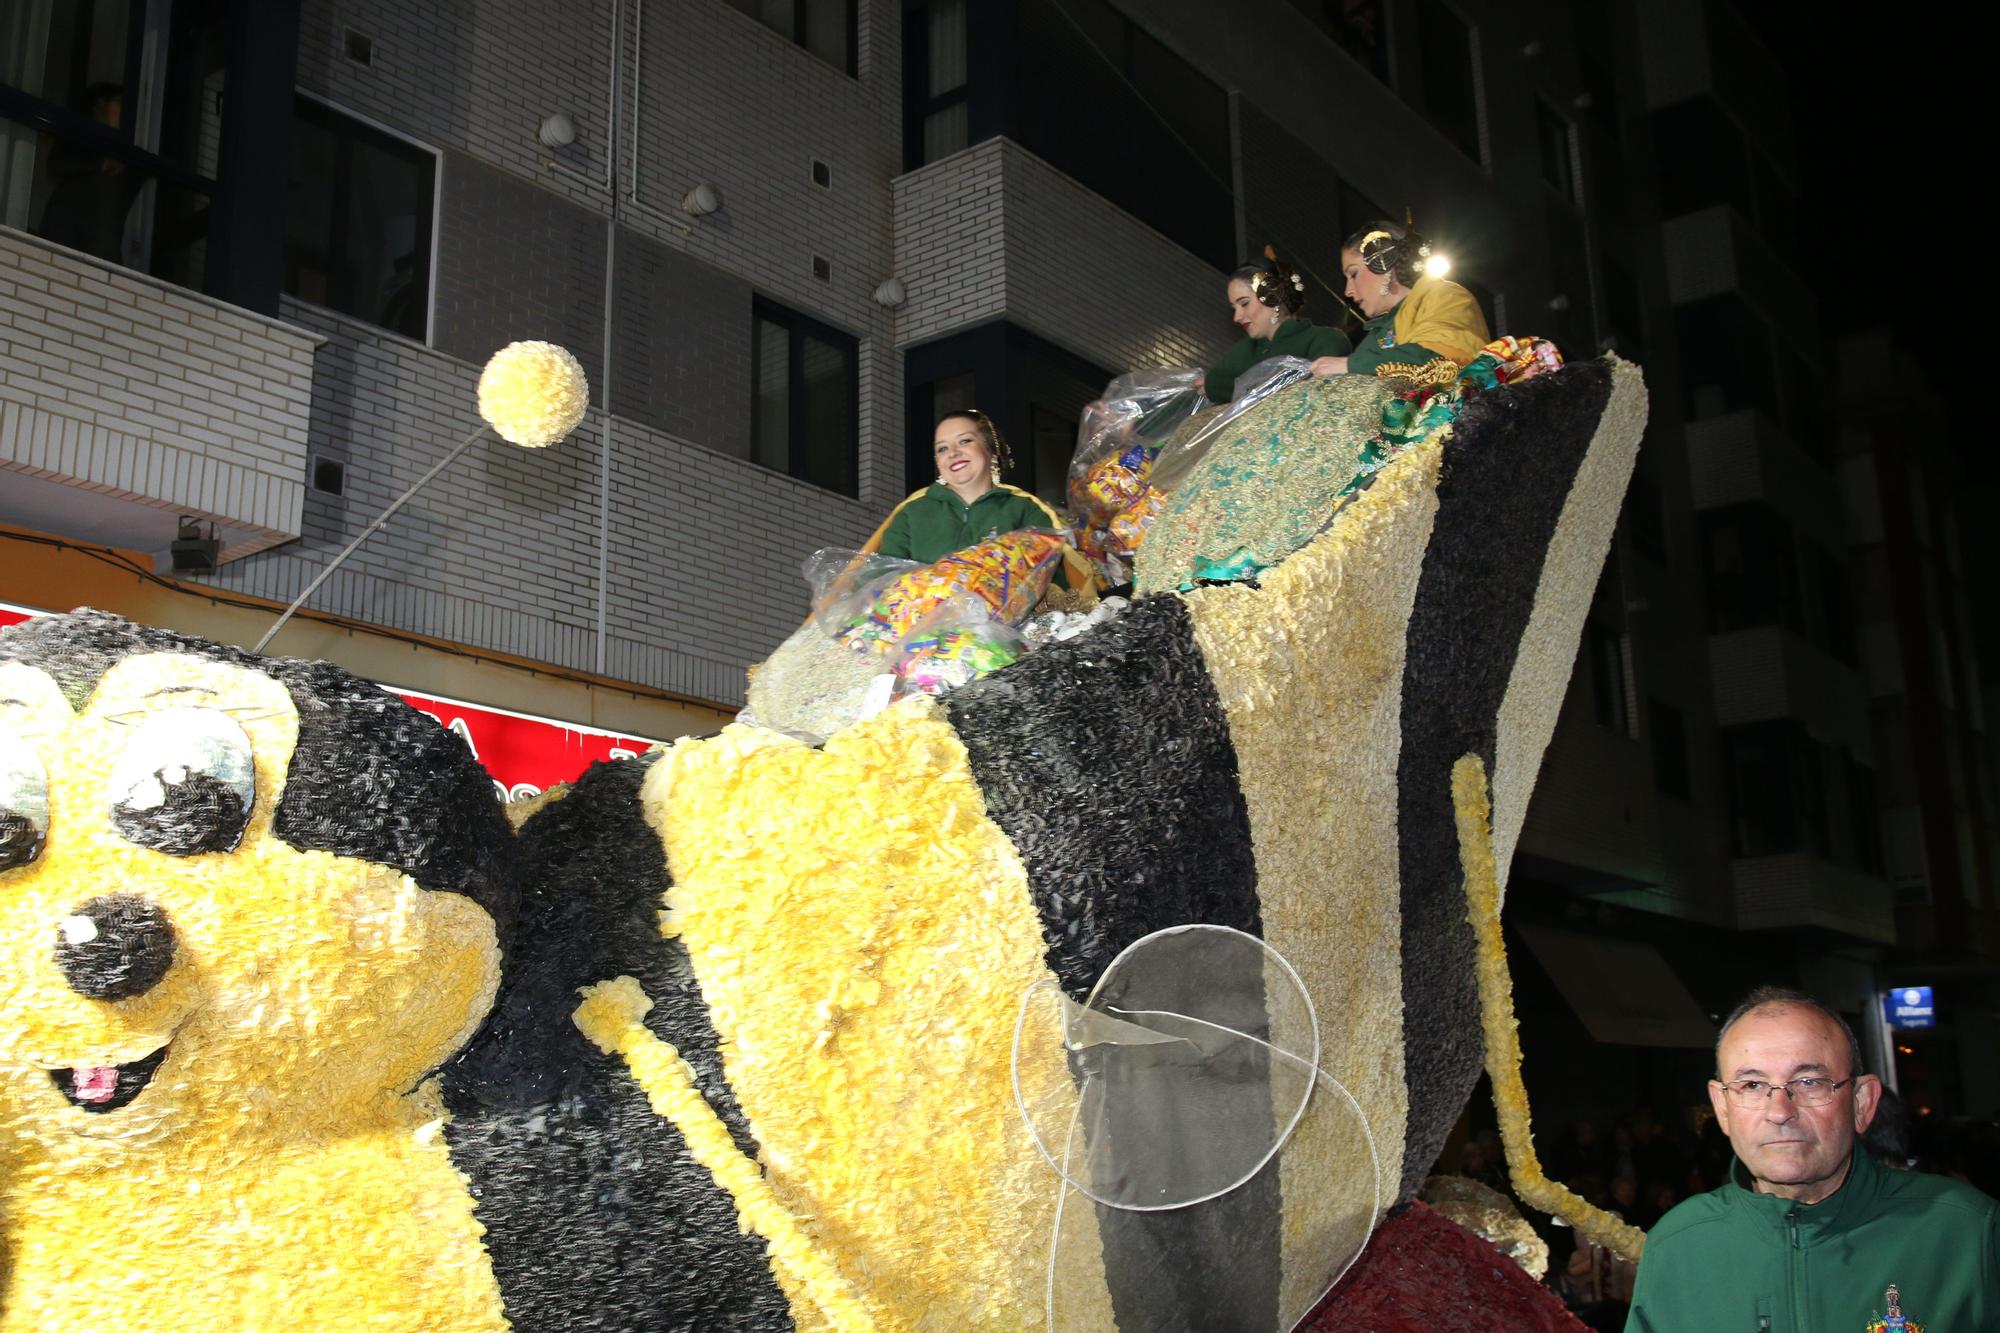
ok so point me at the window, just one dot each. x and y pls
(1702, 159)
(1607, 677)
(1836, 600)
(1451, 74)
(823, 27)
(1726, 361)
(1051, 445)
(1569, 268)
(1159, 145)
(1358, 27)
(108, 143)
(1600, 95)
(1558, 152)
(804, 399)
(1034, 391)
(938, 82)
(1864, 817)
(358, 220)
(1750, 569)
(1670, 755)
(1622, 325)
(1777, 792)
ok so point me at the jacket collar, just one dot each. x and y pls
(1263, 344)
(937, 490)
(1839, 1212)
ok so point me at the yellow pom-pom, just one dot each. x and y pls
(532, 393)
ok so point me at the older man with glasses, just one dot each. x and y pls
(1809, 1235)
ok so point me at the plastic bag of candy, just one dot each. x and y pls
(876, 602)
(938, 662)
(1110, 489)
(1009, 573)
(844, 584)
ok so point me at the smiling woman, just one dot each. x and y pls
(968, 503)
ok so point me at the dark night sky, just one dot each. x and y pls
(1889, 154)
(1892, 150)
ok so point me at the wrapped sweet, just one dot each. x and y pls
(1009, 573)
(937, 663)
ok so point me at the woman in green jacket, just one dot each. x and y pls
(969, 503)
(1419, 325)
(1265, 300)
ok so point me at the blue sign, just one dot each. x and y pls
(1909, 1007)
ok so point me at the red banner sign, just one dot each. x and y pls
(526, 755)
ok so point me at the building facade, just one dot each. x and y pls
(255, 254)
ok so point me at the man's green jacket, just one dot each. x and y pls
(1733, 1259)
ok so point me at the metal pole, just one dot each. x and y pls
(604, 365)
(366, 533)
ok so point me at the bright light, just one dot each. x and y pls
(1437, 266)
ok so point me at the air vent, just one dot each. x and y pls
(822, 174)
(358, 47)
(822, 268)
(329, 475)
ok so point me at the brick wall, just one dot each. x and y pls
(515, 261)
(501, 550)
(1088, 277)
(145, 393)
(681, 359)
(950, 225)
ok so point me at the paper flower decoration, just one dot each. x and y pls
(533, 393)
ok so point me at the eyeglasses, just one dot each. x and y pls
(1807, 1091)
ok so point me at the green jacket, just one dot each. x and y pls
(1734, 1259)
(1379, 347)
(1295, 337)
(934, 522)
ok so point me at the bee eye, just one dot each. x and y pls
(24, 801)
(185, 783)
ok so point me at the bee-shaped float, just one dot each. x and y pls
(299, 1034)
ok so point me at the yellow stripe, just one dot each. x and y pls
(1503, 1038)
(1309, 671)
(863, 934)
(611, 1016)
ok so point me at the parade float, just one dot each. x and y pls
(1126, 973)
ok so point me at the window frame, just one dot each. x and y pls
(797, 324)
(1479, 151)
(797, 36)
(435, 222)
(1549, 117)
(919, 104)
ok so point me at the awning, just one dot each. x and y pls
(1623, 990)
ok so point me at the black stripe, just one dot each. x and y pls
(595, 1214)
(1507, 471)
(1107, 760)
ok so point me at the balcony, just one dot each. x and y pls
(1714, 252)
(1743, 455)
(127, 402)
(1763, 674)
(993, 232)
(1792, 890)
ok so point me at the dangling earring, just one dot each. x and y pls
(1387, 284)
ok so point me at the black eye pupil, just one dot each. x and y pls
(20, 839)
(199, 813)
